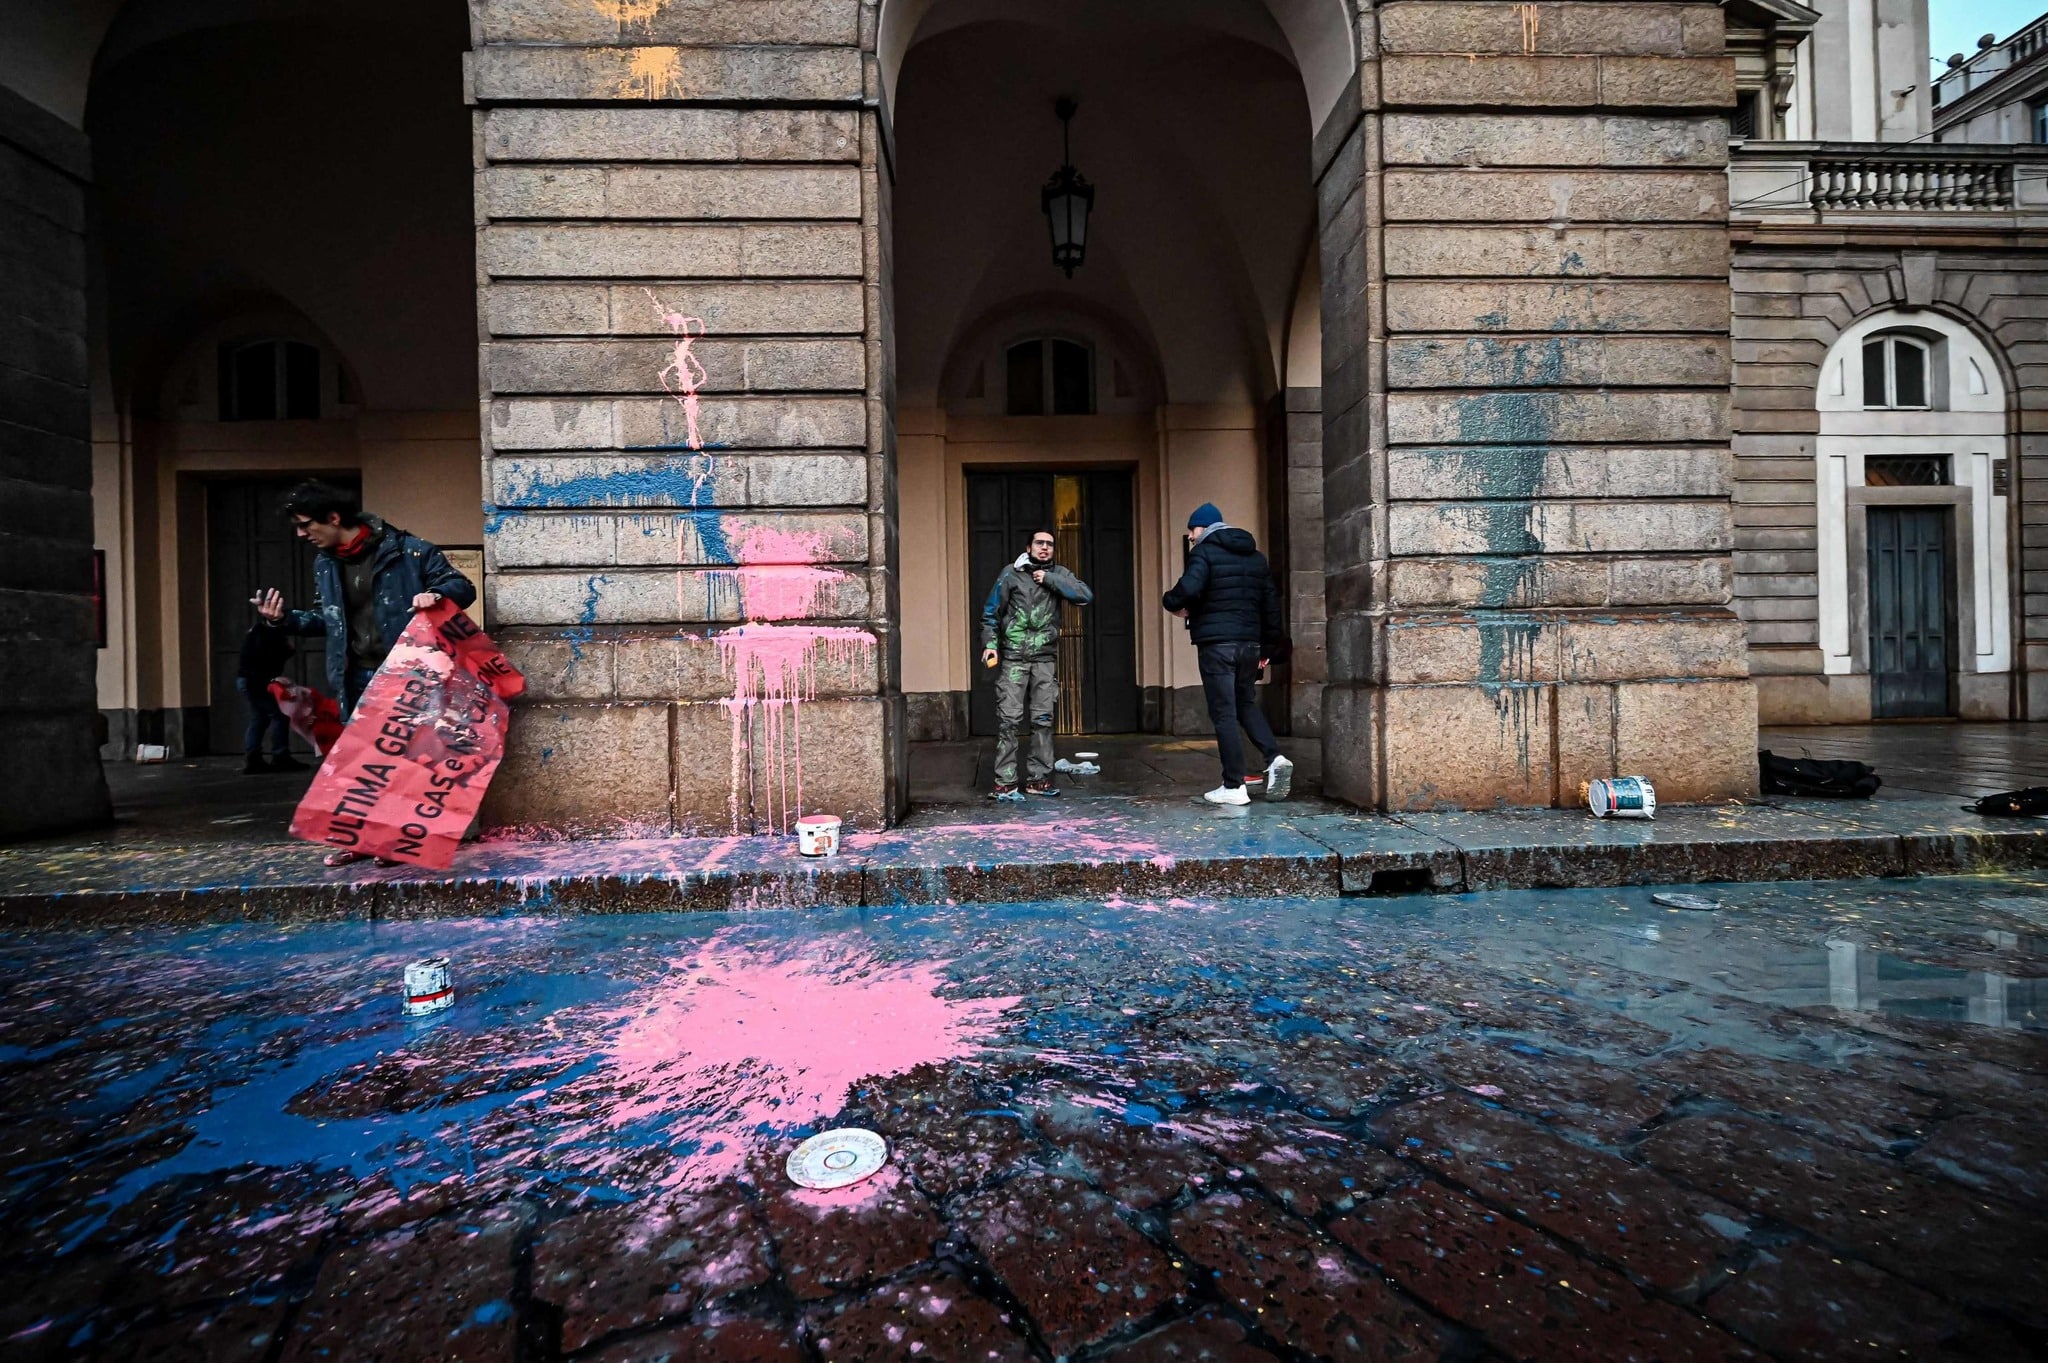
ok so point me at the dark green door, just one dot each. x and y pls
(1091, 513)
(1912, 633)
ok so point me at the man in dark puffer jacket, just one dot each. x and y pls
(1233, 612)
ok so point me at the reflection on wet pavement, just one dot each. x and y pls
(1809, 1125)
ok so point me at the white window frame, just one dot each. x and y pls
(1891, 341)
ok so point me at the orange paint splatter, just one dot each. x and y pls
(653, 73)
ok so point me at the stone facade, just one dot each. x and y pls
(684, 295)
(1525, 351)
(48, 718)
(1794, 299)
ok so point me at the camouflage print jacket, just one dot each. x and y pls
(1021, 618)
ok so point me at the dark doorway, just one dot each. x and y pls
(249, 544)
(1092, 514)
(1912, 626)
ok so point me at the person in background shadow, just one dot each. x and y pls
(265, 651)
(1227, 596)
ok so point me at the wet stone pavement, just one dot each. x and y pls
(1521, 1124)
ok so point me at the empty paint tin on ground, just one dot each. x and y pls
(1698, 903)
(1625, 797)
(428, 987)
(835, 1159)
(817, 835)
(152, 752)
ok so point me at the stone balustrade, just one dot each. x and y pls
(1815, 181)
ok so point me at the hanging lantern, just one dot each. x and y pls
(1067, 199)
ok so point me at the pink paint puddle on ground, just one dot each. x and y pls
(734, 1048)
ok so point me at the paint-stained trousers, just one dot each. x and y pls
(1025, 686)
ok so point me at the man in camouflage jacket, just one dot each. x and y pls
(1020, 636)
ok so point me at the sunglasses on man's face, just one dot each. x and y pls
(1041, 544)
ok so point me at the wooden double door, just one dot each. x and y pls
(1091, 513)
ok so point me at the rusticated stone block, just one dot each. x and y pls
(672, 192)
(546, 309)
(1704, 580)
(1504, 139)
(1495, 647)
(1351, 738)
(818, 757)
(1694, 740)
(671, 134)
(1495, 582)
(1467, 747)
(573, 539)
(663, 424)
(714, 539)
(1485, 81)
(807, 480)
(1512, 417)
(644, 367)
(620, 481)
(1527, 29)
(666, 73)
(583, 771)
(586, 250)
(1665, 645)
(708, 759)
(1667, 82)
(1416, 528)
(639, 596)
(558, 669)
(1574, 361)
(1557, 196)
(685, 666)
(1635, 252)
(1560, 471)
(1511, 305)
(675, 21)
(781, 306)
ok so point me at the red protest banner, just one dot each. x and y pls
(407, 774)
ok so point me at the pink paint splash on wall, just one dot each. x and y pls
(732, 1048)
(774, 669)
(684, 372)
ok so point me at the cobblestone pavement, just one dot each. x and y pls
(1809, 1125)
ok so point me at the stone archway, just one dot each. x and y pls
(1522, 217)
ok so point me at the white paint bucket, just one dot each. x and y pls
(428, 987)
(1625, 797)
(817, 835)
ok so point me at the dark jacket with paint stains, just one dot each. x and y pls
(1228, 592)
(1021, 618)
(402, 566)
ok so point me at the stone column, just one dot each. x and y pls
(681, 247)
(1526, 482)
(49, 709)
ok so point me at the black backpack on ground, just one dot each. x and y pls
(1811, 777)
(2013, 804)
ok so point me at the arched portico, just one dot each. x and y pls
(695, 230)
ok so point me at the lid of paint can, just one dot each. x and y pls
(818, 821)
(837, 1158)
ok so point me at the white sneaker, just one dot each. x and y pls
(1228, 795)
(1279, 778)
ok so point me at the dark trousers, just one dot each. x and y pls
(264, 718)
(1230, 676)
(353, 683)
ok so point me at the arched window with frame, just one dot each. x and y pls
(1896, 371)
(269, 380)
(1049, 376)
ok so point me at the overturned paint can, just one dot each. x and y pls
(428, 987)
(1624, 797)
(836, 1159)
(817, 835)
(152, 752)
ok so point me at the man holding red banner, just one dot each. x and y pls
(371, 577)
